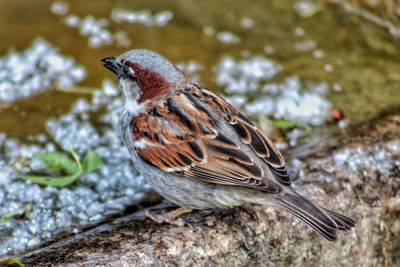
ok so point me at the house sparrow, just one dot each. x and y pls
(198, 151)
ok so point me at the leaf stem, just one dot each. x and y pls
(77, 160)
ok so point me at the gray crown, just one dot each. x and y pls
(154, 61)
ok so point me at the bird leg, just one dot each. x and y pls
(249, 209)
(170, 217)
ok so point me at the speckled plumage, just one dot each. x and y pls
(198, 151)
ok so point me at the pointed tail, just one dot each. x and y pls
(326, 222)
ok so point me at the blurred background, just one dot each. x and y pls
(295, 67)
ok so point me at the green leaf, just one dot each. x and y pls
(6, 217)
(54, 181)
(284, 124)
(12, 262)
(92, 161)
(57, 181)
(57, 162)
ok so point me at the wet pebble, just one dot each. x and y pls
(39, 68)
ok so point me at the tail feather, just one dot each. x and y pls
(344, 223)
(326, 222)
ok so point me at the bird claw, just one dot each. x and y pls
(169, 217)
(249, 209)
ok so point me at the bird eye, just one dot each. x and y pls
(128, 71)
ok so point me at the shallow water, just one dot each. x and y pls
(359, 58)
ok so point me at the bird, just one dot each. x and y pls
(198, 151)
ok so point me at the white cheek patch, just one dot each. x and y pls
(132, 94)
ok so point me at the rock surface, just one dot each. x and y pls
(356, 173)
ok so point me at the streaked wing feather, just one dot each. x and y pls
(250, 135)
(192, 146)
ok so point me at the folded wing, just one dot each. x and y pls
(180, 135)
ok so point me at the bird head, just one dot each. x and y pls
(144, 75)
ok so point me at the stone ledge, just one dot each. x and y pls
(336, 172)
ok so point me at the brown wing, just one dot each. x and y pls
(248, 133)
(180, 135)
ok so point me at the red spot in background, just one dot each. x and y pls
(336, 114)
(280, 139)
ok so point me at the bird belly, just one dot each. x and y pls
(188, 192)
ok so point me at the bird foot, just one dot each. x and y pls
(170, 217)
(249, 209)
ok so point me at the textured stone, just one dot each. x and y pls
(356, 173)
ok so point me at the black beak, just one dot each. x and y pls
(111, 64)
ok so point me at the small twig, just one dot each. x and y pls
(76, 89)
(349, 8)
